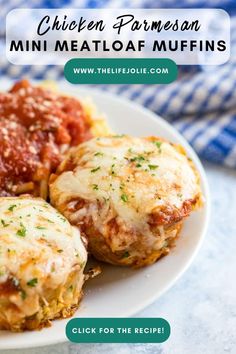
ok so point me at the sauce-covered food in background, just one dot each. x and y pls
(37, 126)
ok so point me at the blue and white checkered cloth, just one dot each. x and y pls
(201, 104)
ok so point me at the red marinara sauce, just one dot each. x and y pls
(36, 127)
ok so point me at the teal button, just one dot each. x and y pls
(120, 71)
(118, 330)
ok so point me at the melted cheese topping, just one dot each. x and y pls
(38, 246)
(133, 177)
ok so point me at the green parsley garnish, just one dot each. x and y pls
(112, 169)
(153, 167)
(23, 294)
(95, 187)
(138, 158)
(98, 153)
(11, 207)
(32, 282)
(4, 224)
(40, 227)
(22, 231)
(158, 144)
(61, 218)
(124, 197)
(95, 169)
(70, 288)
(126, 255)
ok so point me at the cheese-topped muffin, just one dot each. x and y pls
(128, 195)
(42, 258)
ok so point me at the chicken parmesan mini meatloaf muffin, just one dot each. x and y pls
(41, 264)
(129, 196)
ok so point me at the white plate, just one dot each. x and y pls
(120, 292)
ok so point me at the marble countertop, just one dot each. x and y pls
(201, 306)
